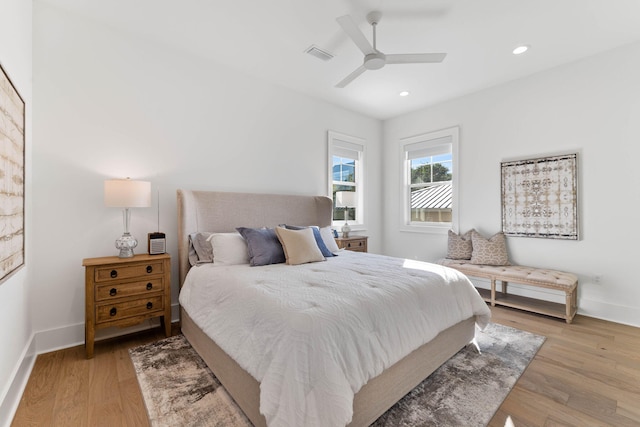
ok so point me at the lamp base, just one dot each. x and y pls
(126, 243)
(345, 230)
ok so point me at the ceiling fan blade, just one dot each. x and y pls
(415, 58)
(351, 77)
(352, 30)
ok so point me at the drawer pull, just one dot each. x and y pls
(113, 292)
(113, 311)
(359, 243)
(349, 245)
(149, 286)
(149, 305)
(149, 269)
(114, 274)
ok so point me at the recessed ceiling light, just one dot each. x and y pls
(404, 93)
(520, 49)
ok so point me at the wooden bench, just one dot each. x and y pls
(531, 276)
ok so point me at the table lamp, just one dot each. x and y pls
(344, 199)
(126, 194)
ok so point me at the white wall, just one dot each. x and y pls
(15, 293)
(592, 107)
(111, 104)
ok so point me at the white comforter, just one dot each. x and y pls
(314, 334)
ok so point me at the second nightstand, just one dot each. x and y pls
(126, 291)
(353, 243)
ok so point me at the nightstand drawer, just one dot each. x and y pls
(357, 246)
(353, 243)
(126, 289)
(140, 307)
(104, 274)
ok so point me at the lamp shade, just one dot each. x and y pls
(127, 193)
(345, 199)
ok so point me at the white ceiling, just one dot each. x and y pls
(267, 38)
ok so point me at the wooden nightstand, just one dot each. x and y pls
(353, 243)
(126, 291)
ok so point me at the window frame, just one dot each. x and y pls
(339, 142)
(429, 141)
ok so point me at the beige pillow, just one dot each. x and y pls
(492, 251)
(299, 245)
(459, 246)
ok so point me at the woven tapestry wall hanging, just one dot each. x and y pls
(540, 197)
(11, 177)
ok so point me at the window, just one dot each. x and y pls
(430, 178)
(346, 159)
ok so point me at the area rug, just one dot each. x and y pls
(179, 389)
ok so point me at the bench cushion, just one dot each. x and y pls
(516, 273)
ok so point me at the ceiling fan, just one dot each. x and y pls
(373, 58)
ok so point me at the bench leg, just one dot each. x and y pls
(493, 292)
(572, 305)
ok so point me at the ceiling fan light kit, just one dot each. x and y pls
(373, 58)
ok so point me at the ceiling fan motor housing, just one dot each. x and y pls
(375, 61)
(373, 58)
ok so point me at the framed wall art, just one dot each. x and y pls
(540, 197)
(12, 145)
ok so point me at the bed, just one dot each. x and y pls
(222, 212)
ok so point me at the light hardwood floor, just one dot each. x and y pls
(585, 374)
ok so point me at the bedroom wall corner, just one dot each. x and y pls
(16, 293)
(590, 107)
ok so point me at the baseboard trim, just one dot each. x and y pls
(57, 339)
(11, 400)
(609, 312)
(73, 335)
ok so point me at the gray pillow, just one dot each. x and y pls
(263, 246)
(200, 250)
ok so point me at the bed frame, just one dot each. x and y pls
(222, 212)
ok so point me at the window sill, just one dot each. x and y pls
(426, 229)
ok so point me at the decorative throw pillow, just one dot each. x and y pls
(330, 242)
(492, 251)
(299, 245)
(229, 249)
(316, 234)
(263, 246)
(459, 246)
(200, 250)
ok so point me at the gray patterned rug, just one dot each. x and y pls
(179, 389)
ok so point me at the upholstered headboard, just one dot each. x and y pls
(222, 212)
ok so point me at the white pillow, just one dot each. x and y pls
(329, 241)
(299, 246)
(229, 249)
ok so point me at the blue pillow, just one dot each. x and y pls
(316, 233)
(263, 246)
